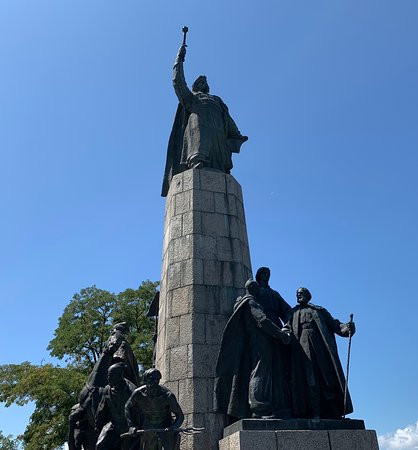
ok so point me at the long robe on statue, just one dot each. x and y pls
(318, 380)
(251, 368)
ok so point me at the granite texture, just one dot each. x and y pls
(301, 440)
(293, 424)
(205, 264)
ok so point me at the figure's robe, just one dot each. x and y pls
(316, 367)
(251, 371)
(110, 416)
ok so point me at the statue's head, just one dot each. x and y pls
(201, 85)
(152, 378)
(303, 295)
(122, 327)
(115, 374)
(263, 274)
(252, 287)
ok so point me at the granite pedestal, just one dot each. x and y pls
(298, 434)
(206, 263)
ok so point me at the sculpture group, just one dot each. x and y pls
(274, 362)
(113, 413)
(280, 362)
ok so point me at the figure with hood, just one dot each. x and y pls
(251, 375)
(317, 377)
(204, 134)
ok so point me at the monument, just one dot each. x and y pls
(257, 374)
(206, 257)
(250, 373)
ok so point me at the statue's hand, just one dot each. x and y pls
(285, 337)
(181, 53)
(351, 327)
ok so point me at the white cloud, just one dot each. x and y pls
(401, 439)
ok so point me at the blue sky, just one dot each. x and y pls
(327, 92)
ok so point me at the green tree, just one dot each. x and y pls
(84, 327)
(82, 332)
(8, 443)
(53, 389)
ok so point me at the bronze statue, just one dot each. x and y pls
(251, 368)
(204, 134)
(125, 354)
(150, 412)
(82, 417)
(110, 417)
(318, 382)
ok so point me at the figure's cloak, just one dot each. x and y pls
(175, 163)
(319, 316)
(233, 366)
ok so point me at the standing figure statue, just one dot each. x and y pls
(204, 134)
(150, 412)
(318, 381)
(110, 418)
(251, 375)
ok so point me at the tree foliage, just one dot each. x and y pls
(84, 327)
(82, 332)
(53, 389)
(8, 443)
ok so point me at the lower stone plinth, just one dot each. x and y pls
(293, 424)
(300, 440)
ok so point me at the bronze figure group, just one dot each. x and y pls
(280, 362)
(113, 413)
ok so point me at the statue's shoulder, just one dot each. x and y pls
(142, 390)
(322, 312)
(241, 302)
(165, 391)
(317, 307)
(130, 385)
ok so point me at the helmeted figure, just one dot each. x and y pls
(251, 378)
(110, 417)
(317, 377)
(204, 134)
(152, 407)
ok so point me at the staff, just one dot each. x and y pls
(348, 365)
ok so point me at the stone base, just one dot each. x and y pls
(293, 424)
(301, 440)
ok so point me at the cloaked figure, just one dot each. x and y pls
(204, 135)
(251, 375)
(317, 378)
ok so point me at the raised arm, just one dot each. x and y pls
(183, 93)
